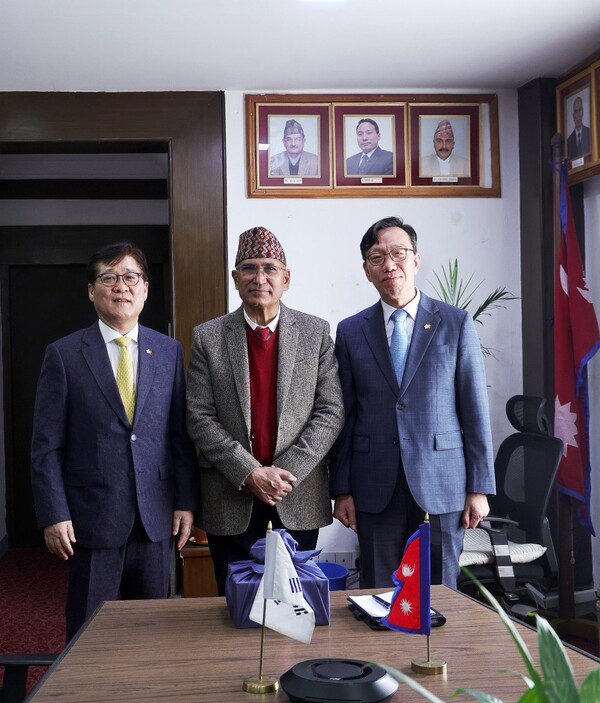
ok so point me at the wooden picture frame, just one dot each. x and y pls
(445, 145)
(330, 126)
(576, 112)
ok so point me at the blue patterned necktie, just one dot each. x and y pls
(362, 166)
(399, 344)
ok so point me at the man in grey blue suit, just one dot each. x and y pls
(418, 444)
(114, 473)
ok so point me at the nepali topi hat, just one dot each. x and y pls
(259, 243)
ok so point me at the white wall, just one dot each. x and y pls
(592, 256)
(321, 238)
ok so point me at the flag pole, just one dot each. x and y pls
(566, 579)
(429, 666)
(260, 684)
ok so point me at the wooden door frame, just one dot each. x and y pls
(192, 123)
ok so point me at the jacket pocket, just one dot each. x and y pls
(448, 440)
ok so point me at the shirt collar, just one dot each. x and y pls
(411, 308)
(109, 334)
(272, 325)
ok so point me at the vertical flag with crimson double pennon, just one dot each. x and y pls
(576, 340)
(410, 609)
(287, 610)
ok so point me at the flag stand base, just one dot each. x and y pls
(429, 666)
(260, 685)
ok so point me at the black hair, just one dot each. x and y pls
(368, 119)
(372, 234)
(111, 254)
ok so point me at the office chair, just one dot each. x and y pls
(517, 527)
(15, 673)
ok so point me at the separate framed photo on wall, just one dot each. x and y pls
(310, 146)
(290, 147)
(575, 110)
(444, 145)
(368, 145)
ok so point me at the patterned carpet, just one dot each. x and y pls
(32, 596)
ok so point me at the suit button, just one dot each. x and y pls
(395, 440)
(133, 437)
(400, 406)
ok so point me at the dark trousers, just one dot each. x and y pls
(382, 538)
(139, 569)
(226, 549)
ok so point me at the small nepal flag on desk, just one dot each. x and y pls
(410, 609)
(576, 340)
(287, 611)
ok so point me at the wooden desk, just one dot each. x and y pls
(188, 650)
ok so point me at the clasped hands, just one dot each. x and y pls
(270, 484)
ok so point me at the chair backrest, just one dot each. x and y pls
(526, 466)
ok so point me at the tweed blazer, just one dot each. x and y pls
(309, 417)
(436, 423)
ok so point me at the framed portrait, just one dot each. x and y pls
(368, 145)
(355, 146)
(444, 145)
(575, 111)
(289, 146)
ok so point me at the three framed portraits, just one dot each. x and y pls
(372, 145)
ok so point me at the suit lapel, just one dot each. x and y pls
(237, 349)
(147, 358)
(426, 324)
(373, 327)
(94, 352)
(286, 358)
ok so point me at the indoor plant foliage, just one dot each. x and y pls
(553, 683)
(457, 292)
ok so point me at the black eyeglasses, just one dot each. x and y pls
(131, 278)
(250, 270)
(397, 255)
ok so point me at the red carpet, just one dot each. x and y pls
(32, 599)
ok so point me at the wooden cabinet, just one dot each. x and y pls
(197, 571)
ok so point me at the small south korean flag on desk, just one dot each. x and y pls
(410, 609)
(287, 611)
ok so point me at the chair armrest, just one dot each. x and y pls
(503, 522)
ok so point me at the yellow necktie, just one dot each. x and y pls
(125, 377)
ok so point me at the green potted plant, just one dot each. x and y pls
(454, 290)
(554, 683)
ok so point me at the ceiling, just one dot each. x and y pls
(279, 45)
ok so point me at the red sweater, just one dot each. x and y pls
(262, 360)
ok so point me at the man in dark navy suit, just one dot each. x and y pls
(114, 473)
(373, 160)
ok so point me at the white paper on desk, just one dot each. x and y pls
(369, 605)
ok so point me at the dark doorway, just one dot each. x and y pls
(189, 126)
